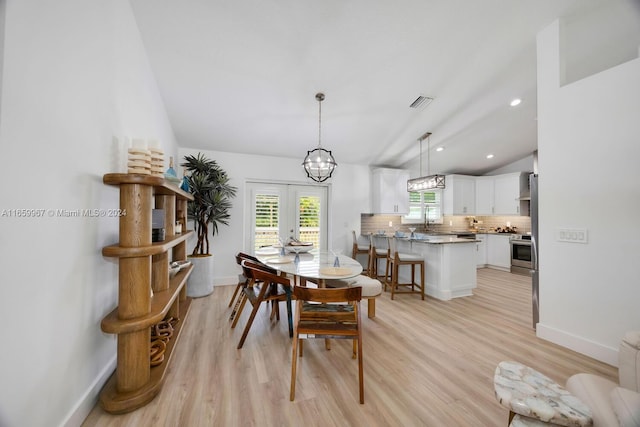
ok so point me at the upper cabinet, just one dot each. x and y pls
(484, 195)
(459, 195)
(390, 194)
(500, 194)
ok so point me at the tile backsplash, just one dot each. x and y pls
(370, 223)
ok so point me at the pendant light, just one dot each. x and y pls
(319, 163)
(429, 182)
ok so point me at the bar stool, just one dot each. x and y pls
(394, 260)
(360, 249)
(377, 252)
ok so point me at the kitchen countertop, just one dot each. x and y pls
(440, 239)
(433, 238)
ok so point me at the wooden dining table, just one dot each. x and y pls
(316, 265)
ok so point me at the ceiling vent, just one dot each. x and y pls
(421, 102)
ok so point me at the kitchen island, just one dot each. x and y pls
(450, 264)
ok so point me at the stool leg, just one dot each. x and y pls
(422, 280)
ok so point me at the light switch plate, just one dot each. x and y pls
(572, 235)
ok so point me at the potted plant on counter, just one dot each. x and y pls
(212, 194)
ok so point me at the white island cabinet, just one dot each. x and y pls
(450, 265)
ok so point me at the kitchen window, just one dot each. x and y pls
(424, 207)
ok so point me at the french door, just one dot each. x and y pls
(281, 211)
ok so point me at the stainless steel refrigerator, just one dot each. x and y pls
(535, 245)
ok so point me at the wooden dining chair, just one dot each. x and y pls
(243, 281)
(264, 286)
(327, 313)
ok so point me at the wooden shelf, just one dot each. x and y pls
(147, 295)
(161, 186)
(117, 251)
(160, 304)
(119, 403)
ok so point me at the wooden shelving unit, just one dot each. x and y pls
(146, 293)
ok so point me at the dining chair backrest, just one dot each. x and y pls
(262, 273)
(243, 280)
(241, 256)
(328, 295)
(319, 315)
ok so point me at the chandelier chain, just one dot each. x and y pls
(319, 122)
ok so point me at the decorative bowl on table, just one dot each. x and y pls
(299, 247)
(268, 250)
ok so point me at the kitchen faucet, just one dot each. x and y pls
(426, 219)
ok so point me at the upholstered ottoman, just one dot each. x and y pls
(371, 289)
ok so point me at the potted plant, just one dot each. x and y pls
(212, 194)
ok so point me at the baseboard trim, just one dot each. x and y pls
(85, 405)
(225, 281)
(584, 346)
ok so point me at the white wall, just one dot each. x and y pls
(75, 78)
(349, 195)
(589, 178)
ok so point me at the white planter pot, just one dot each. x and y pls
(200, 282)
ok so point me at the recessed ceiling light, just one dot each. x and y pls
(489, 156)
(515, 102)
(439, 148)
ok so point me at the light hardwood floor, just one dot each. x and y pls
(427, 363)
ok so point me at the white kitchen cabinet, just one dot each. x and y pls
(390, 195)
(481, 250)
(484, 195)
(459, 195)
(506, 196)
(499, 251)
(500, 194)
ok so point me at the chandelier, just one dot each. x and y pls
(429, 182)
(319, 163)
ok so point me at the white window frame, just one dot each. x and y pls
(434, 209)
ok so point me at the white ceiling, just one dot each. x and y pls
(241, 76)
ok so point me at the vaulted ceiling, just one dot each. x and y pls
(241, 76)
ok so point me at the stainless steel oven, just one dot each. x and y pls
(521, 261)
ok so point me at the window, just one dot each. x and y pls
(424, 207)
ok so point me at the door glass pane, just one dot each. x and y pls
(309, 219)
(267, 223)
(280, 211)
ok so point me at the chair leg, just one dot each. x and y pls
(355, 349)
(235, 293)
(236, 306)
(360, 368)
(248, 325)
(413, 277)
(289, 315)
(294, 363)
(243, 301)
(386, 275)
(394, 278)
(422, 281)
